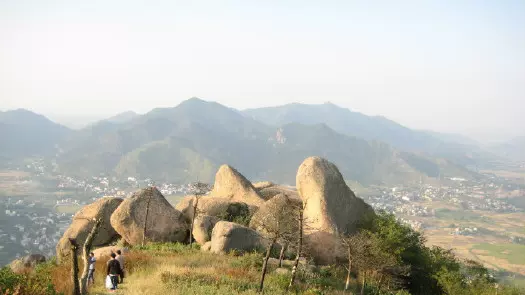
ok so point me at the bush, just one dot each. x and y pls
(168, 248)
(38, 282)
(249, 261)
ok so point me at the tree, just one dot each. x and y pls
(198, 190)
(74, 266)
(371, 258)
(277, 223)
(85, 255)
(299, 248)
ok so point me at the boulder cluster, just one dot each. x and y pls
(235, 215)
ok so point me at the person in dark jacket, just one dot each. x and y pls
(114, 270)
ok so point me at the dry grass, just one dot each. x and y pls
(180, 270)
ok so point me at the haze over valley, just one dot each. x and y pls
(393, 131)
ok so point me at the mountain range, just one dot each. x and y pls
(190, 141)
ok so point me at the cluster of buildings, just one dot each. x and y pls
(416, 201)
(28, 230)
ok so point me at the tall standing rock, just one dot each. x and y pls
(331, 208)
(231, 184)
(83, 223)
(164, 223)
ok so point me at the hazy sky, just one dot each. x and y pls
(455, 66)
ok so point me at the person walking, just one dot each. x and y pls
(120, 259)
(91, 270)
(113, 271)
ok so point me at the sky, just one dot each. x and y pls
(444, 65)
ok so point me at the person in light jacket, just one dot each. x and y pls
(91, 270)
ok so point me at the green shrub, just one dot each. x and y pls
(167, 247)
(249, 261)
(38, 282)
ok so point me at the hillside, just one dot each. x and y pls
(122, 117)
(513, 149)
(27, 134)
(452, 147)
(190, 141)
(347, 122)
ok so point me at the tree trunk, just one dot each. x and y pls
(363, 284)
(146, 221)
(74, 267)
(193, 220)
(281, 255)
(85, 256)
(348, 276)
(265, 264)
(299, 250)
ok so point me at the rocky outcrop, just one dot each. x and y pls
(164, 223)
(203, 227)
(27, 263)
(231, 184)
(228, 236)
(279, 213)
(206, 247)
(83, 222)
(262, 184)
(330, 207)
(224, 209)
(270, 191)
(105, 252)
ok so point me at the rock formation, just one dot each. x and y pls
(331, 208)
(105, 252)
(164, 223)
(83, 223)
(267, 192)
(206, 247)
(203, 227)
(228, 236)
(26, 263)
(223, 208)
(279, 207)
(231, 184)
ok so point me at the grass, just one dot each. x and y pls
(513, 253)
(461, 215)
(160, 269)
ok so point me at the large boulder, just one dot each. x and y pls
(83, 222)
(279, 214)
(231, 184)
(222, 208)
(206, 247)
(331, 208)
(203, 227)
(164, 223)
(105, 252)
(26, 263)
(270, 190)
(228, 236)
(262, 184)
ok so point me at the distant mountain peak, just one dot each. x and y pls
(194, 100)
(122, 117)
